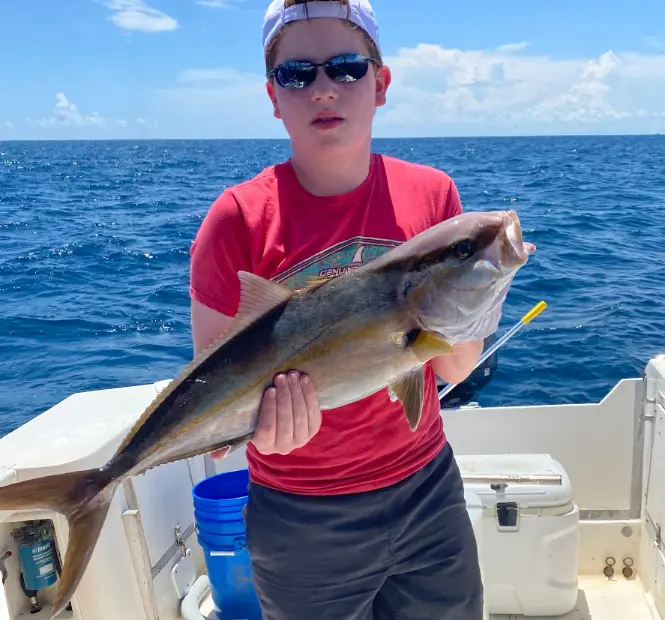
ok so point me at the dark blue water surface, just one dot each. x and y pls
(94, 262)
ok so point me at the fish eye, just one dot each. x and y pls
(410, 337)
(464, 249)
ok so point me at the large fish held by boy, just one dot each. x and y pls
(356, 334)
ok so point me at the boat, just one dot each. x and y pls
(567, 502)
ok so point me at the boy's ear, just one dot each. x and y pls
(270, 89)
(383, 79)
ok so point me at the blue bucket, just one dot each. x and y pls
(220, 529)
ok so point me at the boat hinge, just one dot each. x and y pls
(657, 536)
(178, 546)
(180, 541)
(653, 398)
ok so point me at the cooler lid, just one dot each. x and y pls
(535, 472)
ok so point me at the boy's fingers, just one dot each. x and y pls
(289, 415)
(284, 428)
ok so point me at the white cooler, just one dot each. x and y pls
(530, 533)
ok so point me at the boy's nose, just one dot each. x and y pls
(323, 87)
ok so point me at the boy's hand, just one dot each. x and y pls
(289, 416)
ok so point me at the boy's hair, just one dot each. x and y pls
(272, 47)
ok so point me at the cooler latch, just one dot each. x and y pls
(507, 513)
(507, 516)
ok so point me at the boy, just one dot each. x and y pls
(350, 515)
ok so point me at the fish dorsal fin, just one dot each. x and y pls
(257, 296)
(409, 390)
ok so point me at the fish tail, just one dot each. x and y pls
(84, 498)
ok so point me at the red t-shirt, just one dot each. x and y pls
(270, 225)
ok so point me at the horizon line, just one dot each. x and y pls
(286, 139)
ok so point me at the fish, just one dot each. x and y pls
(354, 334)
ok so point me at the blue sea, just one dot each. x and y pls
(94, 242)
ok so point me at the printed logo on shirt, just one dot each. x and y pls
(341, 258)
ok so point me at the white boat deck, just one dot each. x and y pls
(612, 451)
(601, 599)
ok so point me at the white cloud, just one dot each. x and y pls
(440, 91)
(67, 115)
(437, 90)
(67, 121)
(137, 15)
(507, 90)
(509, 48)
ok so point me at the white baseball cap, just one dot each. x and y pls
(357, 11)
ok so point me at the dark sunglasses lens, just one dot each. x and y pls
(347, 69)
(296, 75)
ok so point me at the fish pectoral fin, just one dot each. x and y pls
(428, 345)
(409, 390)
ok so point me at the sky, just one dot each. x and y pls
(130, 69)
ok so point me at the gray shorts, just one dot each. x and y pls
(406, 552)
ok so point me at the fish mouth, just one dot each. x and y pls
(514, 250)
(514, 226)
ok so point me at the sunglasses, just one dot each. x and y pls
(342, 68)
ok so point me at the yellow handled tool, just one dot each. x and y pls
(527, 318)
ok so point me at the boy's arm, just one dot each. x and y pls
(455, 367)
(290, 413)
(207, 325)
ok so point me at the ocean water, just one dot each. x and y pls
(94, 240)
